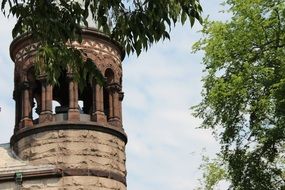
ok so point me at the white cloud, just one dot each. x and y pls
(6, 120)
(5, 34)
(162, 133)
(6, 81)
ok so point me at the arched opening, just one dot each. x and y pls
(35, 111)
(85, 99)
(106, 102)
(80, 106)
(55, 106)
(61, 95)
(109, 74)
(58, 111)
(18, 100)
(34, 95)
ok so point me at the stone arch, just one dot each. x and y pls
(114, 68)
(34, 91)
(110, 75)
(27, 65)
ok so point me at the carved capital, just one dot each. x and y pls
(114, 87)
(25, 85)
(121, 96)
(16, 93)
(42, 78)
(69, 76)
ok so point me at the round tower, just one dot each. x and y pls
(78, 132)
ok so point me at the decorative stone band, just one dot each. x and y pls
(31, 175)
(19, 48)
(59, 172)
(94, 172)
(65, 125)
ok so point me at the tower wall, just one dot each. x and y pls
(86, 145)
(67, 182)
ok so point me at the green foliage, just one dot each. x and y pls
(214, 171)
(243, 97)
(135, 24)
(83, 67)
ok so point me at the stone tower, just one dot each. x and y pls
(67, 146)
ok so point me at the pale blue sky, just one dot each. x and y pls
(160, 86)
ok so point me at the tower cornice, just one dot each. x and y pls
(26, 38)
(66, 125)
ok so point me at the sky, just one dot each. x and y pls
(160, 86)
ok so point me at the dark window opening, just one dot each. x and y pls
(56, 107)
(106, 102)
(35, 95)
(85, 99)
(109, 75)
(61, 95)
(35, 110)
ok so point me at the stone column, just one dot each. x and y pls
(111, 103)
(18, 106)
(98, 114)
(48, 96)
(114, 104)
(26, 121)
(117, 105)
(46, 102)
(73, 112)
(121, 97)
(43, 97)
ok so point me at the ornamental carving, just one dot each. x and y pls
(103, 54)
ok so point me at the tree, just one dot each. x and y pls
(135, 24)
(243, 97)
(214, 172)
